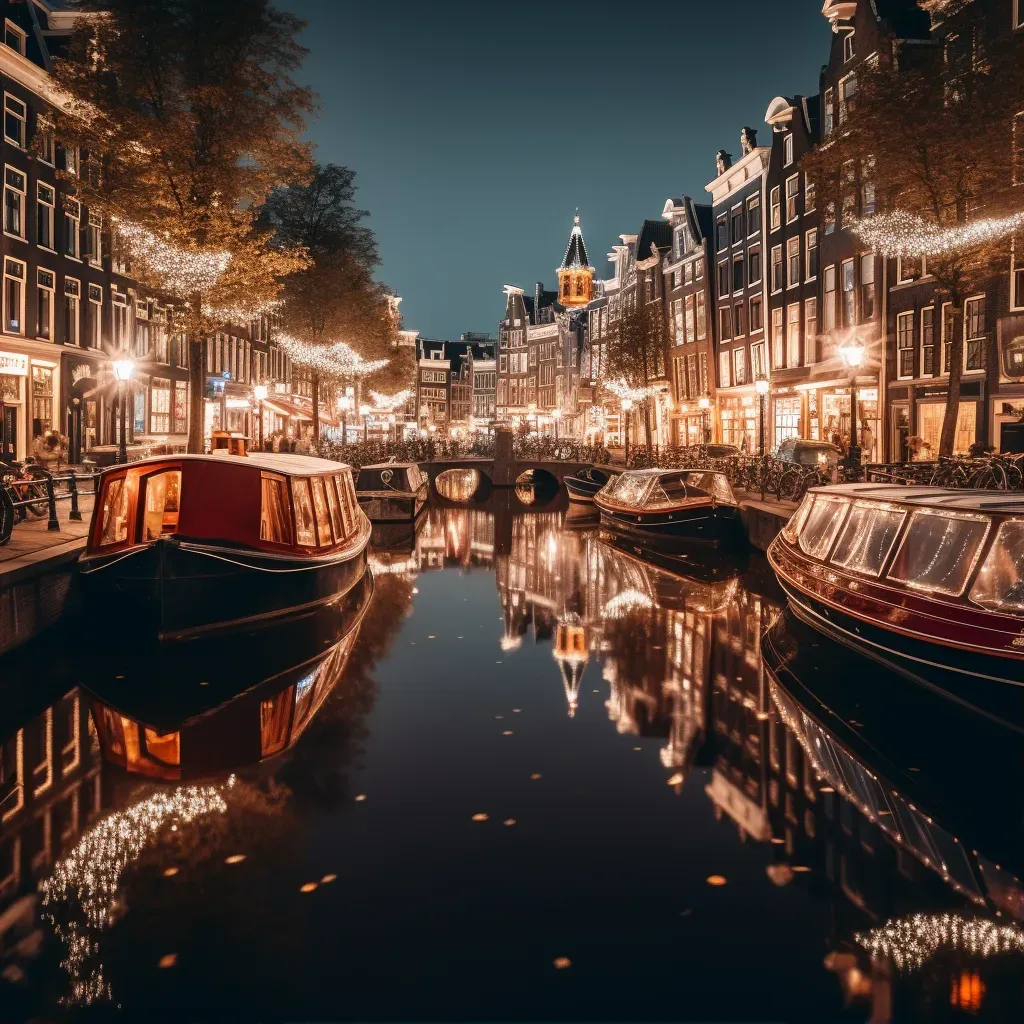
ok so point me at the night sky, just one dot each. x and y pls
(475, 128)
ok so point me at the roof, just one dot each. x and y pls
(654, 232)
(933, 497)
(272, 462)
(575, 251)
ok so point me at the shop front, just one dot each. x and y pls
(688, 426)
(787, 418)
(827, 416)
(28, 390)
(737, 417)
(82, 402)
(931, 411)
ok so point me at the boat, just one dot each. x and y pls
(586, 483)
(922, 577)
(688, 504)
(392, 492)
(193, 543)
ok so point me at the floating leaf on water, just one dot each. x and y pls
(480, 817)
(360, 798)
(716, 880)
(327, 879)
(677, 780)
(167, 960)
(235, 858)
(308, 887)
(561, 962)
(170, 872)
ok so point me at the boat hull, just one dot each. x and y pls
(177, 588)
(400, 507)
(582, 491)
(709, 523)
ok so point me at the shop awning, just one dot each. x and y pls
(284, 407)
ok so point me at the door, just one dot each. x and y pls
(9, 433)
(900, 433)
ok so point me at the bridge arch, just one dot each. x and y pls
(462, 484)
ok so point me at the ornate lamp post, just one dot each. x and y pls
(853, 355)
(123, 371)
(626, 405)
(259, 392)
(556, 415)
(705, 405)
(761, 387)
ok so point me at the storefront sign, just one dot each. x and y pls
(236, 403)
(12, 364)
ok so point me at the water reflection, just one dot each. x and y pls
(870, 825)
(459, 484)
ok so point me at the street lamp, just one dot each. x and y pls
(626, 404)
(853, 355)
(556, 415)
(364, 411)
(704, 404)
(761, 387)
(344, 404)
(259, 392)
(123, 370)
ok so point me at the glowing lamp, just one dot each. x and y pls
(761, 385)
(344, 402)
(259, 392)
(627, 404)
(852, 353)
(364, 410)
(705, 402)
(123, 369)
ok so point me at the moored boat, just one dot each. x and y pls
(687, 504)
(920, 576)
(586, 483)
(198, 542)
(391, 492)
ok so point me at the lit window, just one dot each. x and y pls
(939, 551)
(44, 304)
(72, 295)
(787, 150)
(792, 191)
(46, 199)
(14, 295)
(14, 202)
(868, 537)
(275, 518)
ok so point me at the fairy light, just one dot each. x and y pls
(625, 602)
(242, 314)
(89, 877)
(622, 390)
(183, 271)
(906, 234)
(910, 942)
(335, 360)
(389, 403)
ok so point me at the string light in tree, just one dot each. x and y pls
(242, 314)
(389, 403)
(336, 360)
(905, 234)
(182, 271)
(621, 390)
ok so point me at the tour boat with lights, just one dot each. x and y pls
(920, 575)
(586, 483)
(392, 492)
(223, 701)
(688, 504)
(199, 542)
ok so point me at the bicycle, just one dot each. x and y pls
(27, 492)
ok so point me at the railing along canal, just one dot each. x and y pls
(35, 494)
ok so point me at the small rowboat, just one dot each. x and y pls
(392, 492)
(586, 483)
(200, 542)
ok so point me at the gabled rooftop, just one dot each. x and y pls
(575, 252)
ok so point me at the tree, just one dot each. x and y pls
(926, 146)
(187, 118)
(635, 355)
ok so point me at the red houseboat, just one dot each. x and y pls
(922, 575)
(198, 542)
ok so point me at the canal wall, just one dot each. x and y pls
(762, 520)
(35, 593)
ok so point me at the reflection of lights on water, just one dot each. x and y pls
(399, 567)
(458, 484)
(80, 896)
(625, 602)
(511, 643)
(910, 942)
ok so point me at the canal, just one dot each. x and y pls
(529, 773)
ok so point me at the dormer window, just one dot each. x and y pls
(848, 47)
(787, 150)
(14, 37)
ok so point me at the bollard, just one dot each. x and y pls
(53, 523)
(74, 515)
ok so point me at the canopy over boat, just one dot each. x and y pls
(656, 489)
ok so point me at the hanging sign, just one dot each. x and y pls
(13, 364)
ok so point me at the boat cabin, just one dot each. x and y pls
(391, 478)
(262, 501)
(654, 490)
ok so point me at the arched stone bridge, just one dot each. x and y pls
(504, 472)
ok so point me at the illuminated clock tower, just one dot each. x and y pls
(575, 275)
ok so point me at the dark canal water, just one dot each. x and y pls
(527, 775)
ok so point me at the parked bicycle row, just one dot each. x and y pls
(27, 492)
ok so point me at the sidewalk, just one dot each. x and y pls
(32, 546)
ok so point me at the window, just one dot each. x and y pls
(14, 121)
(121, 339)
(867, 287)
(939, 551)
(737, 225)
(849, 298)
(737, 274)
(999, 584)
(115, 512)
(42, 400)
(723, 278)
(830, 103)
(810, 197)
(725, 323)
(787, 150)
(160, 406)
(777, 268)
(701, 318)
(756, 317)
(812, 254)
(95, 325)
(72, 223)
(830, 216)
(793, 334)
(44, 141)
(723, 232)
(305, 529)
(974, 333)
(739, 358)
(44, 304)
(847, 97)
(723, 369)
(947, 334)
(72, 294)
(14, 37)
(776, 209)
(829, 298)
(740, 319)
(810, 327)
(322, 509)
(1017, 272)
(94, 239)
(905, 344)
(848, 47)
(71, 160)
(275, 515)
(14, 202)
(45, 201)
(753, 215)
(698, 269)
(1018, 13)
(754, 264)
(14, 296)
(849, 192)
(908, 268)
(824, 518)
(778, 339)
(928, 341)
(793, 258)
(689, 332)
(792, 192)
(757, 362)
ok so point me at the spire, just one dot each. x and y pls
(575, 251)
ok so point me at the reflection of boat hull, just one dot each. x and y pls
(582, 491)
(702, 521)
(393, 507)
(178, 588)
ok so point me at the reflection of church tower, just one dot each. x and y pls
(571, 655)
(575, 275)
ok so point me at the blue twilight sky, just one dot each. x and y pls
(476, 128)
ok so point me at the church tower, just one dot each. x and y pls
(575, 275)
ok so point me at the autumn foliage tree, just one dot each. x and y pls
(930, 134)
(635, 354)
(187, 118)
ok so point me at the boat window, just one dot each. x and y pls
(868, 537)
(347, 491)
(334, 503)
(822, 525)
(939, 551)
(628, 489)
(714, 484)
(323, 516)
(1000, 584)
(305, 531)
(275, 516)
(305, 690)
(164, 747)
(415, 477)
(346, 509)
(275, 716)
(796, 521)
(163, 491)
(115, 512)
